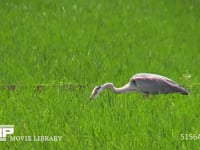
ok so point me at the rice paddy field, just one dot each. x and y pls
(53, 53)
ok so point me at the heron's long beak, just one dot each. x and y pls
(91, 97)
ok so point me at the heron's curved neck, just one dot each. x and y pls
(123, 89)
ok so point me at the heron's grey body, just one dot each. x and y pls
(145, 83)
(156, 84)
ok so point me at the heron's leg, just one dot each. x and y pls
(146, 95)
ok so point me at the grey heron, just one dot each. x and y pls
(145, 83)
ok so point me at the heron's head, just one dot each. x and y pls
(95, 92)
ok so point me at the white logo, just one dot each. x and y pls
(5, 130)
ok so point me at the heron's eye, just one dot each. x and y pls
(98, 87)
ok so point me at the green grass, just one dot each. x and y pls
(90, 43)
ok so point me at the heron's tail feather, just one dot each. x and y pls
(183, 91)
